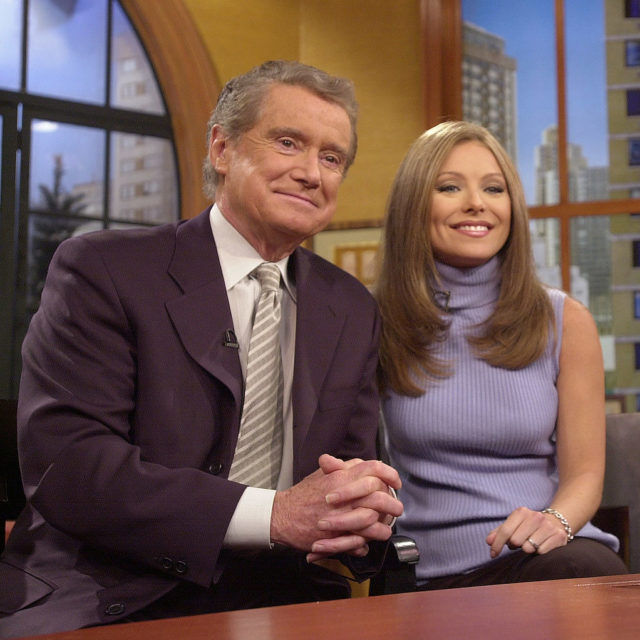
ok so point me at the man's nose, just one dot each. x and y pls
(307, 169)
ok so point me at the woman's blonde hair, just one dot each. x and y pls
(516, 333)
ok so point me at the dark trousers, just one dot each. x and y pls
(581, 558)
(254, 580)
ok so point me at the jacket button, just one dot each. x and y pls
(115, 609)
(215, 468)
(166, 563)
(181, 567)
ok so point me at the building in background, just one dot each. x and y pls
(489, 85)
(622, 34)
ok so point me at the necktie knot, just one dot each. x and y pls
(268, 275)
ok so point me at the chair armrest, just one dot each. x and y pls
(402, 551)
(398, 572)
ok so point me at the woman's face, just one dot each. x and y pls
(470, 207)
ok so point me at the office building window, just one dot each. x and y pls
(634, 152)
(636, 304)
(632, 53)
(633, 102)
(632, 9)
(635, 245)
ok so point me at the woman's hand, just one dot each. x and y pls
(531, 531)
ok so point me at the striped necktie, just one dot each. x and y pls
(258, 452)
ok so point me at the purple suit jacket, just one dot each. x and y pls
(129, 412)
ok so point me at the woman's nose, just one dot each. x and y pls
(475, 201)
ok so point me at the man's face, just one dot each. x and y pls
(279, 180)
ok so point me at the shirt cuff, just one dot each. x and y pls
(250, 525)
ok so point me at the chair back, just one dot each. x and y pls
(621, 495)
(12, 498)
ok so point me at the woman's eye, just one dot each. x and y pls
(495, 189)
(446, 188)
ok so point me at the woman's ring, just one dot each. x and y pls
(535, 545)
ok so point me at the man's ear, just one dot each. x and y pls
(218, 150)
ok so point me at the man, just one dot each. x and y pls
(136, 370)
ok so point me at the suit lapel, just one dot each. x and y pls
(318, 327)
(201, 315)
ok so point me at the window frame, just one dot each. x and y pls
(189, 86)
(441, 25)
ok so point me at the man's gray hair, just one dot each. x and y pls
(239, 103)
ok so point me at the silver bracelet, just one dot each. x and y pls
(563, 520)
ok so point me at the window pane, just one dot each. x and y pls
(545, 242)
(10, 37)
(67, 169)
(633, 102)
(636, 304)
(587, 126)
(143, 179)
(591, 267)
(133, 84)
(632, 53)
(632, 8)
(67, 49)
(605, 276)
(509, 84)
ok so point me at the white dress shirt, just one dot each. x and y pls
(250, 525)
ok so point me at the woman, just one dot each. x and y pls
(493, 384)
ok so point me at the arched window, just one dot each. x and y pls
(86, 140)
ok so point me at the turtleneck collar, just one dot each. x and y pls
(468, 288)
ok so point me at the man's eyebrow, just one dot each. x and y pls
(289, 132)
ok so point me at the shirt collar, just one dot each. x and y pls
(237, 257)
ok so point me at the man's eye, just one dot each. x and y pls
(286, 142)
(333, 160)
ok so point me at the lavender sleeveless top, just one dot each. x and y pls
(478, 444)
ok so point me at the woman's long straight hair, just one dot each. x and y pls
(517, 332)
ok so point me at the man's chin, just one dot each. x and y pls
(303, 229)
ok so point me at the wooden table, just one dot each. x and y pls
(564, 609)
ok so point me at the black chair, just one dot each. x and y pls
(12, 498)
(399, 569)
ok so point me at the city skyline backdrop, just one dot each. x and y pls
(528, 30)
